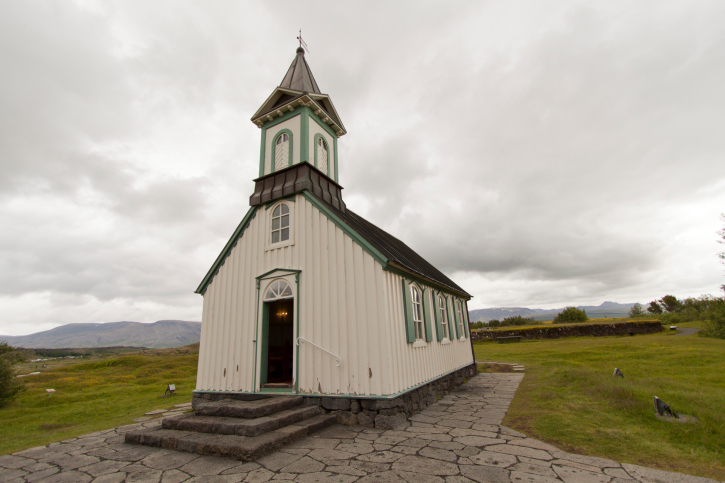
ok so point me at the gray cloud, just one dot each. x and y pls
(538, 155)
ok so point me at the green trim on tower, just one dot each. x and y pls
(314, 146)
(323, 125)
(262, 151)
(282, 118)
(291, 150)
(334, 142)
(305, 135)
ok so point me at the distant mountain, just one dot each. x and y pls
(606, 309)
(161, 334)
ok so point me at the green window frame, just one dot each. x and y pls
(426, 315)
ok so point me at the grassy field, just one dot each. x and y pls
(569, 397)
(95, 394)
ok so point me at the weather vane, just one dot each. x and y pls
(302, 42)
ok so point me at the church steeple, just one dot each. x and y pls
(299, 76)
(299, 124)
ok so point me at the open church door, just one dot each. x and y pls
(277, 341)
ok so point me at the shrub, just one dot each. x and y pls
(571, 314)
(714, 323)
(636, 310)
(10, 385)
(516, 321)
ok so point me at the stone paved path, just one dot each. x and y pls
(460, 439)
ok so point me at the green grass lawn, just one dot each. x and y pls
(570, 399)
(95, 395)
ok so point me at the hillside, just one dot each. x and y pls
(164, 333)
(606, 309)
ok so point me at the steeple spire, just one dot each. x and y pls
(299, 76)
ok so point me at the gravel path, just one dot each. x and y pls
(687, 331)
(458, 440)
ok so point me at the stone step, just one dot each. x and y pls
(239, 426)
(230, 408)
(244, 448)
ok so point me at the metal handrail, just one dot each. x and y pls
(339, 360)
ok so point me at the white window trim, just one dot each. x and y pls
(461, 322)
(268, 226)
(419, 343)
(442, 314)
(446, 341)
(422, 314)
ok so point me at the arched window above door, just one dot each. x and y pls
(279, 289)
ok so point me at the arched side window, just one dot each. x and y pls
(460, 319)
(417, 302)
(280, 223)
(443, 316)
(282, 150)
(279, 289)
(322, 154)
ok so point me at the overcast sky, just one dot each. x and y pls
(541, 154)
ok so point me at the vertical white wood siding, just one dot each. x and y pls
(347, 304)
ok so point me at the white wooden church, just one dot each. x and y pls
(309, 298)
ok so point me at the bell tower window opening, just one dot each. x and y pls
(281, 152)
(280, 223)
(322, 155)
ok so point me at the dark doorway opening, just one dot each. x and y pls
(278, 347)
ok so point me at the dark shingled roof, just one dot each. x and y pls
(393, 249)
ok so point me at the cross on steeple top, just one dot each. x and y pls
(303, 45)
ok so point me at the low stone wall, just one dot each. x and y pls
(389, 413)
(559, 331)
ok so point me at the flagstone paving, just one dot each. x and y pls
(458, 440)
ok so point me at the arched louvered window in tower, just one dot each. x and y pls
(322, 155)
(281, 152)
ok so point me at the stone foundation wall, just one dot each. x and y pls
(371, 413)
(558, 331)
(389, 413)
